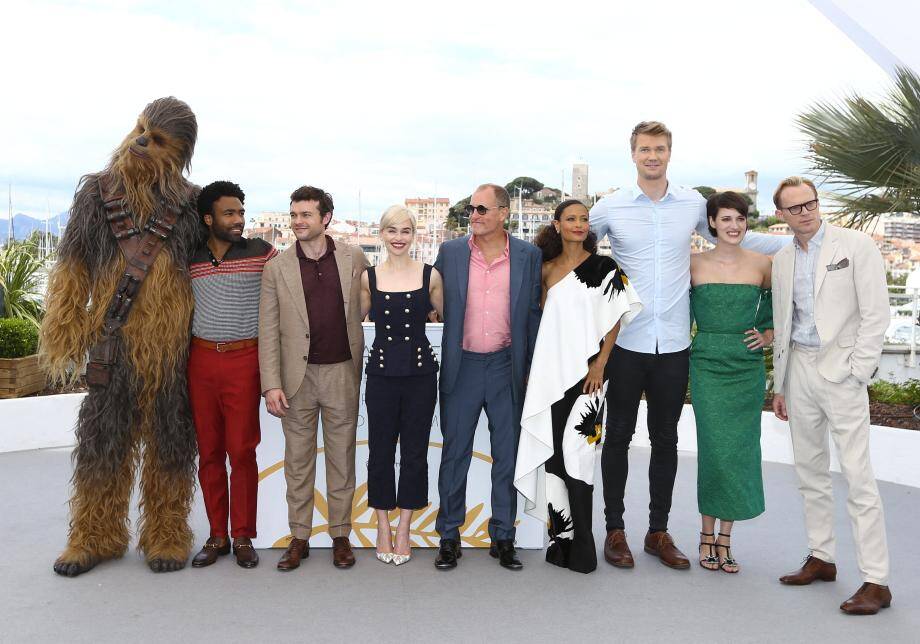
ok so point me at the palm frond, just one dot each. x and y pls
(868, 152)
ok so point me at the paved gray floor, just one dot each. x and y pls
(123, 601)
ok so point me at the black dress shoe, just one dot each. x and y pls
(504, 551)
(448, 553)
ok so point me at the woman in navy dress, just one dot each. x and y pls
(402, 374)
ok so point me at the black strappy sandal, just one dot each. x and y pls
(711, 559)
(728, 560)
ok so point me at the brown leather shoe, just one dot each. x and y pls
(662, 546)
(616, 550)
(342, 556)
(868, 600)
(813, 569)
(213, 548)
(246, 555)
(298, 549)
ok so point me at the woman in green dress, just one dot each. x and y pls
(730, 300)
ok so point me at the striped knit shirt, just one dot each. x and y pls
(227, 295)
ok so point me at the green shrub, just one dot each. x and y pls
(18, 338)
(905, 393)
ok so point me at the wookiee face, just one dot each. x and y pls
(157, 150)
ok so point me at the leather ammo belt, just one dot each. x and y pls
(140, 249)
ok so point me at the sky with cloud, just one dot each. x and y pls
(402, 99)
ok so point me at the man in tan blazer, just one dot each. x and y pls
(830, 310)
(311, 347)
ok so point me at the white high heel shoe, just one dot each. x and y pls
(399, 560)
(386, 557)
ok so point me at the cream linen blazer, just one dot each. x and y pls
(851, 307)
(284, 328)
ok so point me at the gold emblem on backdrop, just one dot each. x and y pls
(474, 532)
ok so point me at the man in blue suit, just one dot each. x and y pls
(492, 288)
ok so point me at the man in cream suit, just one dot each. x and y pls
(311, 347)
(830, 310)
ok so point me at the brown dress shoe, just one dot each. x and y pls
(213, 548)
(342, 556)
(813, 569)
(298, 549)
(867, 600)
(662, 546)
(616, 550)
(246, 555)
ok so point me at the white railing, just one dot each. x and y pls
(905, 320)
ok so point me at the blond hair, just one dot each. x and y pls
(652, 128)
(790, 182)
(396, 215)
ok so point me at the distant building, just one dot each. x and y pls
(903, 227)
(270, 220)
(749, 189)
(779, 229)
(580, 180)
(430, 212)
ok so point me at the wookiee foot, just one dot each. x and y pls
(166, 565)
(69, 568)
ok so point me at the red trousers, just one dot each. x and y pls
(225, 392)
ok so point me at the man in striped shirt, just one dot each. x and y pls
(223, 371)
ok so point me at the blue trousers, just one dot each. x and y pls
(484, 382)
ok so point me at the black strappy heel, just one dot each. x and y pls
(728, 560)
(711, 558)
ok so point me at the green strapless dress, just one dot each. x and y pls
(727, 382)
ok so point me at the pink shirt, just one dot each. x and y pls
(487, 325)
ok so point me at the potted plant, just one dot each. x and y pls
(20, 374)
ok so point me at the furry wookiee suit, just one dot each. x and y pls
(141, 418)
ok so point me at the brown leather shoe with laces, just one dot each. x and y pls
(297, 549)
(342, 556)
(213, 548)
(616, 550)
(813, 569)
(246, 555)
(868, 600)
(661, 545)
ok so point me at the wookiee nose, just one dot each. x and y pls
(142, 141)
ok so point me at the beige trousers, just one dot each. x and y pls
(330, 391)
(816, 405)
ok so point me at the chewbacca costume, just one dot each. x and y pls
(136, 414)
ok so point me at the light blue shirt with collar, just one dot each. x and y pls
(804, 330)
(651, 243)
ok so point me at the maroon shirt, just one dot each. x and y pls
(325, 307)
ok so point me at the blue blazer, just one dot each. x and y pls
(453, 263)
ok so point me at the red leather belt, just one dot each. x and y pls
(223, 347)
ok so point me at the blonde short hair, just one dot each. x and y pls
(396, 215)
(652, 128)
(790, 182)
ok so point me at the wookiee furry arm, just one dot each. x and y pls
(65, 333)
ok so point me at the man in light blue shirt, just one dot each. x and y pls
(649, 227)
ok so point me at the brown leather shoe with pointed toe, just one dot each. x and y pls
(813, 569)
(616, 550)
(342, 556)
(297, 549)
(868, 600)
(662, 546)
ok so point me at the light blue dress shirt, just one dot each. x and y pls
(804, 331)
(651, 243)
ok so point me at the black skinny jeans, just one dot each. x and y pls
(663, 378)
